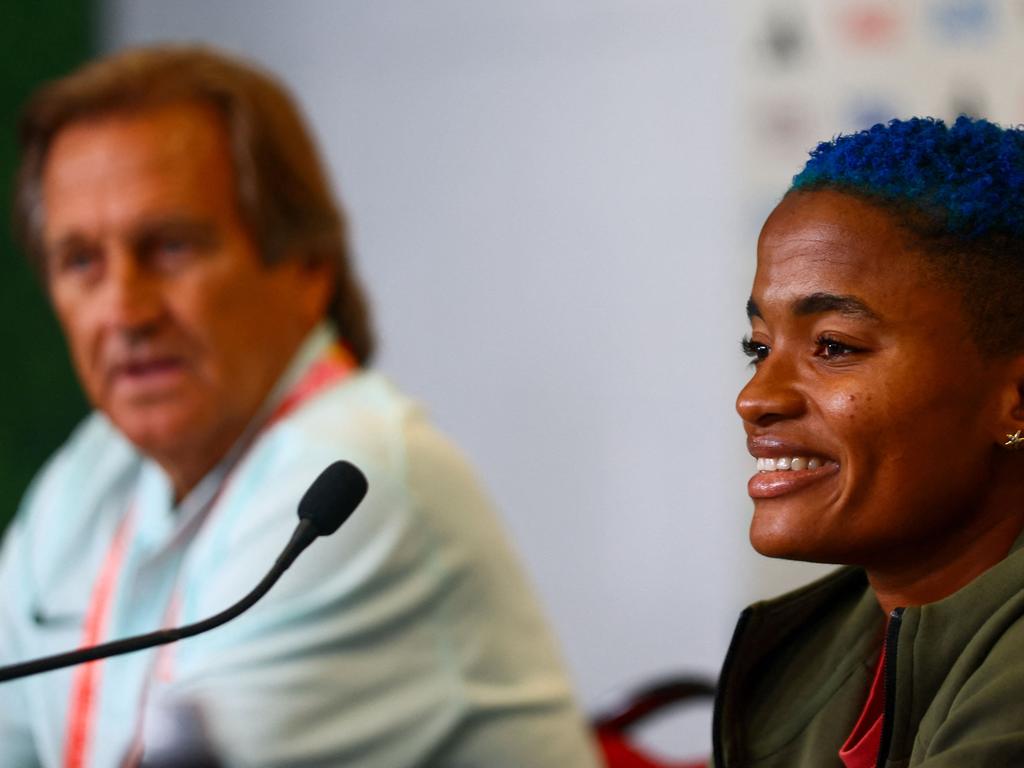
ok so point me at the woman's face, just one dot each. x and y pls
(867, 391)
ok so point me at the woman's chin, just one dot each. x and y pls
(784, 543)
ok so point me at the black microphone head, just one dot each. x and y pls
(333, 497)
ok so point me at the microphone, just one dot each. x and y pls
(329, 502)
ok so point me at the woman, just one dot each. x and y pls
(885, 412)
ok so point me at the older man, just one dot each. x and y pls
(175, 207)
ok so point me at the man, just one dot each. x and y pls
(177, 212)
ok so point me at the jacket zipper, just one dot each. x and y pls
(730, 658)
(892, 634)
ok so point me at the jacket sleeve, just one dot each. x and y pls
(17, 748)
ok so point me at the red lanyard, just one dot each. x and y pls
(87, 676)
(333, 366)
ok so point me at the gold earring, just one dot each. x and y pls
(1014, 442)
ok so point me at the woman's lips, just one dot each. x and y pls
(773, 483)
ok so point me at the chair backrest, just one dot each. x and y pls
(613, 726)
(619, 753)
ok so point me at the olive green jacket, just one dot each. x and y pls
(799, 668)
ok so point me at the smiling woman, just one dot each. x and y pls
(887, 345)
(864, 360)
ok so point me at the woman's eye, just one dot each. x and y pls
(831, 349)
(755, 350)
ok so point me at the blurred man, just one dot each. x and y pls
(178, 214)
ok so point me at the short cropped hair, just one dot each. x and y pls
(958, 192)
(283, 193)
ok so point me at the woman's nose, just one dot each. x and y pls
(772, 394)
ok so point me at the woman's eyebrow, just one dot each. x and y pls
(820, 303)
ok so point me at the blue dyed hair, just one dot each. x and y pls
(958, 191)
(970, 174)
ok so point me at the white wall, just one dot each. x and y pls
(544, 202)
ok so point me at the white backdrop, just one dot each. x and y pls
(546, 208)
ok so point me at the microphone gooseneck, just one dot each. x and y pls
(325, 506)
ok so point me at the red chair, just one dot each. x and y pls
(613, 727)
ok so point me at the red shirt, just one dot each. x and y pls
(861, 747)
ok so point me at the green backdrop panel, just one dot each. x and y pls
(41, 402)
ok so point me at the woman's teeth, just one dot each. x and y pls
(783, 463)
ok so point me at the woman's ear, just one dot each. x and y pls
(1010, 432)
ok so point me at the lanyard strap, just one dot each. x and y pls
(85, 682)
(334, 365)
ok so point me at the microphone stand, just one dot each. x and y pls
(304, 534)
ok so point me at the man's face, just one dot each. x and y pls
(865, 375)
(176, 328)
